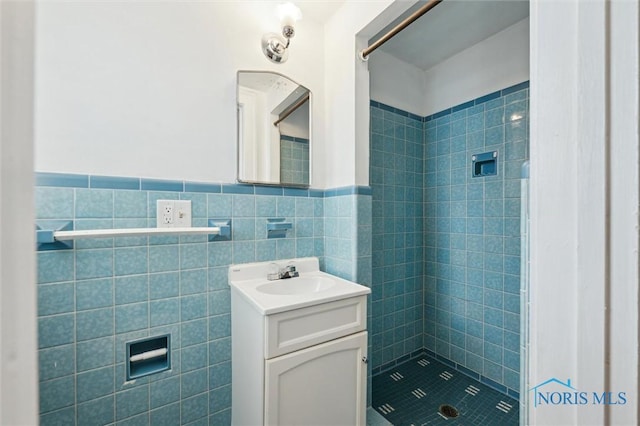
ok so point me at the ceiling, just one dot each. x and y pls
(450, 27)
(318, 10)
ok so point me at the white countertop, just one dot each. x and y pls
(245, 280)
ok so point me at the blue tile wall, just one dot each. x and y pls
(294, 160)
(472, 235)
(446, 246)
(397, 234)
(105, 292)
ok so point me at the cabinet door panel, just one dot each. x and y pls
(322, 385)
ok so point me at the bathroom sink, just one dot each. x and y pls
(312, 287)
(300, 285)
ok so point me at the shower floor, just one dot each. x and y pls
(413, 392)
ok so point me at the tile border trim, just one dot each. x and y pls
(473, 102)
(70, 180)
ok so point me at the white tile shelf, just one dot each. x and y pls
(129, 232)
(63, 233)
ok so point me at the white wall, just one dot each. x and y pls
(397, 83)
(500, 61)
(148, 88)
(584, 205)
(18, 329)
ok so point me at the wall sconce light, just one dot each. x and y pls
(275, 45)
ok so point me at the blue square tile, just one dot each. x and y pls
(285, 249)
(198, 204)
(512, 322)
(61, 417)
(56, 330)
(54, 203)
(219, 326)
(131, 289)
(94, 264)
(219, 302)
(193, 383)
(220, 254)
(493, 335)
(56, 362)
(97, 411)
(194, 358)
(244, 252)
(265, 250)
(131, 402)
(164, 285)
(286, 207)
(164, 311)
(219, 205)
(139, 420)
(219, 375)
(130, 204)
(220, 351)
(95, 353)
(193, 332)
(55, 266)
(193, 256)
(130, 241)
(56, 394)
(193, 281)
(512, 265)
(193, 307)
(130, 261)
(493, 371)
(132, 317)
(88, 224)
(195, 408)
(266, 206)
(55, 299)
(94, 203)
(94, 384)
(93, 324)
(218, 278)
(493, 317)
(220, 399)
(244, 206)
(164, 258)
(163, 392)
(168, 415)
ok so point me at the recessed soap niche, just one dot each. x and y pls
(485, 164)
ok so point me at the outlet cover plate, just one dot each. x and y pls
(173, 213)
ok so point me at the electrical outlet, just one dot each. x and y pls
(173, 213)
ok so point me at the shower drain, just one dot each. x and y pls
(448, 411)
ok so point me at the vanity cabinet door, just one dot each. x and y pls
(321, 385)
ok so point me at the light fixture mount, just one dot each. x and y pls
(275, 46)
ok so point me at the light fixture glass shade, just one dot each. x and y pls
(289, 13)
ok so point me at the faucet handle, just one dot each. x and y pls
(274, 272)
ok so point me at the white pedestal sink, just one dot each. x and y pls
(299, 346)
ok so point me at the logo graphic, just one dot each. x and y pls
(557, 392)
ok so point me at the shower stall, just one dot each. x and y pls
(447, 235)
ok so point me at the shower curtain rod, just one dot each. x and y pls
(289, 111)
(401, 26)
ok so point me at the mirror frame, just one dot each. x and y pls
(239, 133)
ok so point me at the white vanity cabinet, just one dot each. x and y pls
(299, 366)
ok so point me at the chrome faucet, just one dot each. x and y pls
(288, 271)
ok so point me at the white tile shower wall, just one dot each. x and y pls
(95, 297)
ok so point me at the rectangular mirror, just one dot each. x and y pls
(274, 129)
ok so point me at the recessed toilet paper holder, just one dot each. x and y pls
(148, 356)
